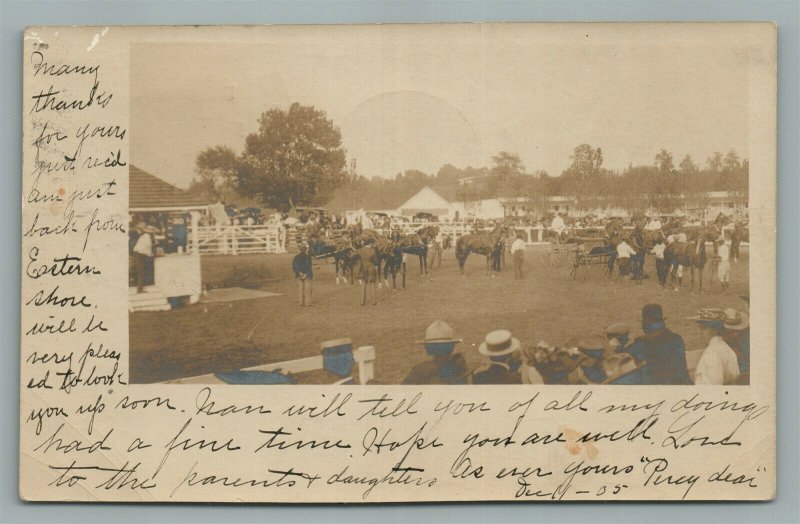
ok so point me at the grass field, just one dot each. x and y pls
(546, 305)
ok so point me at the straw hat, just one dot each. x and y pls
(728, 318)
(736, 320)
(439, 331)
(498, 343)
(617, 329)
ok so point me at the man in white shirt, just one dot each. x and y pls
(624, 252)
(718, 364)
(142, 253)
(661, 266)
(517, 255)
(723, 264)
(558, 226)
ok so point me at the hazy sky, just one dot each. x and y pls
(418, 99)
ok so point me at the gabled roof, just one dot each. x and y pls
(148, 192)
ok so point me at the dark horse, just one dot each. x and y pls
(691, 254)
(481, 243)
(343, 253)
(416, 244)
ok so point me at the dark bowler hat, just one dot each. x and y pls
(652, 313)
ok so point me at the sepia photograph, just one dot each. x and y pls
(427, 207)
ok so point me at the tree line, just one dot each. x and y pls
(296, 157)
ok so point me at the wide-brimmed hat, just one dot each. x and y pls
(722, 318)
(439, 332)
(618, 329)
(735, 319)
(652, 313)
(499, 343)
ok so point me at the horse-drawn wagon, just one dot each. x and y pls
(586, 262)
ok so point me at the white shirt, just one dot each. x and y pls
(658, 251)
(624, 250)
(144, 245)
(718, 365)
(558, 223)
(517, 245)
(723, 251)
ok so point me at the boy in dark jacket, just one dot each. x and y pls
(304, 273)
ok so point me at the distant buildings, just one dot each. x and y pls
(452, 203)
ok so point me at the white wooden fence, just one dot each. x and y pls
(238, 239)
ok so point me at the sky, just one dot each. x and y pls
(424, 96)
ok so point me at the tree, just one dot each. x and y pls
(687, 166)
(664, 161)
(731, 164)
(584, 178)
(216, 172)
(667, 186)
(714, 162)
(295, 158)
(507, 164)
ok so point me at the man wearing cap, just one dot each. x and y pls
(661, 349)
(719, 363)
(446, 366)
(500, 347)
(304, 273)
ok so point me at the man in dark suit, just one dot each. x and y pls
(446, 367)
(503, 368)
(661, 349)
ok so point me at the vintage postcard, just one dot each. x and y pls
(439, 262)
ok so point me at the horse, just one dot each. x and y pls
(481, 243)
(691, 254)
(343, 253)
(382, 246)
(739, 234)
(414, 244)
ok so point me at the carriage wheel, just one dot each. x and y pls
(551, 260)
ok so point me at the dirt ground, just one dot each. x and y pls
(545, 305)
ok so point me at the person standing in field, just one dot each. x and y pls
(368, 273)
(304, 273)
(143, 252)
(661, 264)
(724, 265)
(517, 255)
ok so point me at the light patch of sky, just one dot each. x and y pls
(420, 99)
